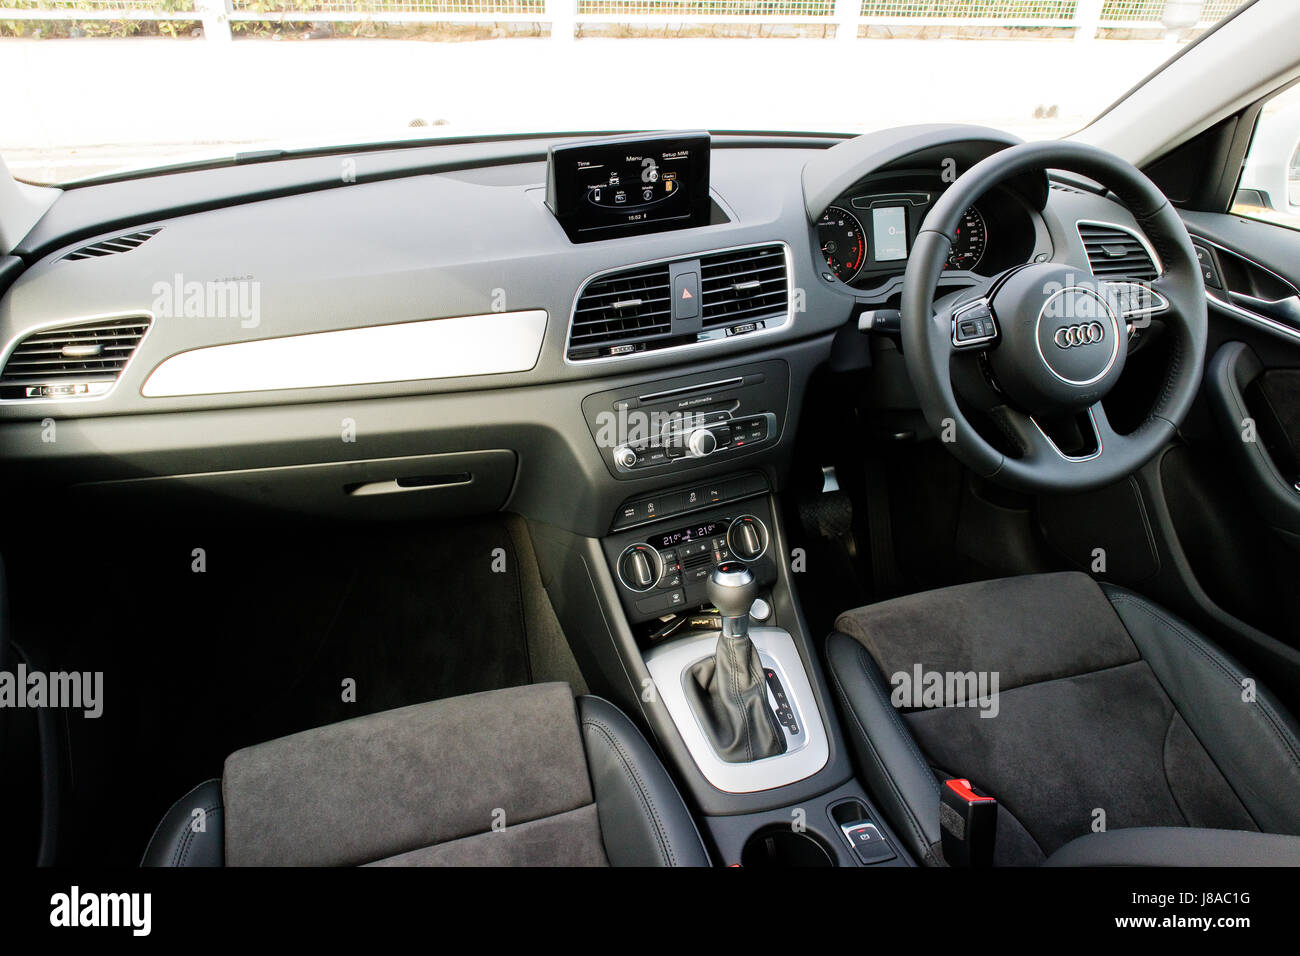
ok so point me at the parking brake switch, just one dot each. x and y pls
(868, 843)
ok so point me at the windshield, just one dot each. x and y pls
(99, 86)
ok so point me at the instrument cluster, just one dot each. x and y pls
(866, 235)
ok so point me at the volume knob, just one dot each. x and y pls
(702, 443)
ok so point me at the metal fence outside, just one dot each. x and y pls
(1082, 19)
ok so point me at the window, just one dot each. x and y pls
(1270, 183)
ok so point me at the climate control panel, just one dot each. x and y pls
(665, 567)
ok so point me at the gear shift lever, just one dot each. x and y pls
(732, 589)
(728, 691)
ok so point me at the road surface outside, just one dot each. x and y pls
(84, 106)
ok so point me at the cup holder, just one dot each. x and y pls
(780, 847)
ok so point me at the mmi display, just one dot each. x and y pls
(613, 187)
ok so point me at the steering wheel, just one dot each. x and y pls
(1052, 339)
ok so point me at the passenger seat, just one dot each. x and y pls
(517, 777)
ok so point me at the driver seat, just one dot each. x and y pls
(1109, 714)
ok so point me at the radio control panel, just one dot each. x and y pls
(666, 426)
(710, 434)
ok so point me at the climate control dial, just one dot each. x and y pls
(640, 567)
(747, 538)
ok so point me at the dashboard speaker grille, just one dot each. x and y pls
(745, 285)
(109, 247)
(620, 312)
(79, 360)
(1116, 253)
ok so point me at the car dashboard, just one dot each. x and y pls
(437, 332)
(308, 332)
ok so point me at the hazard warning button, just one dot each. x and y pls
(686, 295)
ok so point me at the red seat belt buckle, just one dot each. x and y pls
(968, 820)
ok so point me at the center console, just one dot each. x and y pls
(663, 570)
(669, 570)
(692, 587)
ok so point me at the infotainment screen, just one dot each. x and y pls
(611, 187)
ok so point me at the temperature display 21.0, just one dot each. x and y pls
(696, 532)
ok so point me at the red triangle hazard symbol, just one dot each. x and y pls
(686, 294)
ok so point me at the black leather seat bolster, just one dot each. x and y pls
(185, 838)
(1248, 734)
(1178, 846)
(643, 819)
(423, 767)
(897, 775)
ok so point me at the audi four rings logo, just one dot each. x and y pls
(1069, 336)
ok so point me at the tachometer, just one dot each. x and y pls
(843, 242)
(972, 239)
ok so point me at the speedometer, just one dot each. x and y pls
(843, 242)
(972, 239)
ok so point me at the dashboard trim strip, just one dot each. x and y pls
(405, 351)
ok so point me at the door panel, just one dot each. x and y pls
(1224, 501)
(1252, 382)
(1258, 412)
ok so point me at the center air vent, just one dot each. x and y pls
(1116, 253)
(681, 302)
(72, 361)
(108, 247)
(621, 313)
(744, 286)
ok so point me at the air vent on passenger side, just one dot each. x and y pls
(743, 286)
(619, 313)
(80, 360)
(108, 247)
(1116, 253)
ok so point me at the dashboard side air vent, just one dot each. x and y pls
(1116, 253)
(744, 287)
(79, 360)
(622, 312)
(109, 247)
